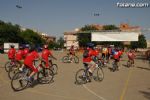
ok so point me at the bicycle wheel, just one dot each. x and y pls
(12, 71)
(7, 66)
(65, 59)
(45, 76)
(76, 59)
(80, 77)
(54, 68)
(128, 64)
(19, 81)
(98, 74)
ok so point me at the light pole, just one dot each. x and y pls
(18, 6)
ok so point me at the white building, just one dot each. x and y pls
(70, 38)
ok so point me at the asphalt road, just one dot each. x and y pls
(125, 84)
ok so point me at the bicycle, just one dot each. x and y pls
(53, 67)
(9, 64)
(12, 71)
(15, 69)
(130, 63)
(66, 59)
(82, 75)
(102, 63)
(19, 81)
(114, 65)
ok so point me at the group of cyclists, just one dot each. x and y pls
(27, 55)
(92, 55)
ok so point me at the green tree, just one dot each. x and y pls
(84, 38)
(32, 37)
(110, 27)
(60, 42)
(85, 35)
(89, 28)
(9, 33)
(141, 43)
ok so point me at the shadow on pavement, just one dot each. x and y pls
(146, 94)
(125, 65)
(143, 68)
(141, 58)
(35, 83)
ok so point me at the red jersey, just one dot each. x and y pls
(46, 53)
(31, 57)
(19, 55)
(91, 53)
(131, 55)
(120, 53)
(116, 55)
(11, 53)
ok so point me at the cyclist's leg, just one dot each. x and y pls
(92, 67)
(115, 64)
(87, 71)
(132, 61)
(71, 57)
(34, 71)
(50, 63)
(12, 61)
(22, 65)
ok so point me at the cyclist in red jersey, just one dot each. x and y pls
(19, 55)
(131, 56)
(116, 57)
(120, 53)
(29, 62)
(71, 52)
(89, 59)
(11, 53)
(45, 56)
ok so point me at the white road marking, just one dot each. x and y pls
(100, 97)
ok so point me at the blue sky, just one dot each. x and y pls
(57, 16)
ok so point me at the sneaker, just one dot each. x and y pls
(21, 69)
(29, 80)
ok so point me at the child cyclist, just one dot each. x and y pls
(131, 56)
(11, 53)
(45, 56)
(71, 52)
(116, 57)
(87, 59)
(29, 62)
(19, 55)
